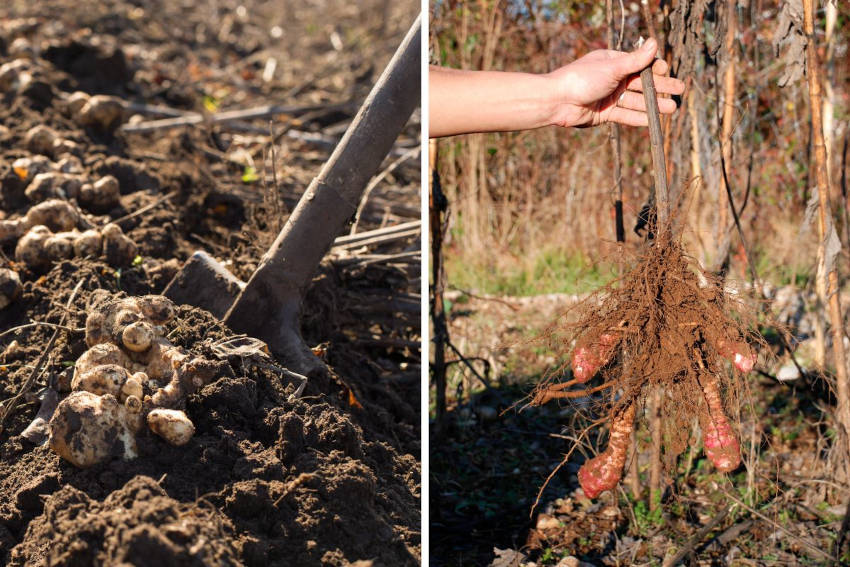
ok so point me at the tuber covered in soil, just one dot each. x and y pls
(10, 287)
(87, 429)
(657, 327)
(39, 247)
(101, 112)
(55, 214)
(130, 376)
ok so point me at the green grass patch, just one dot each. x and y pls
(551, 270)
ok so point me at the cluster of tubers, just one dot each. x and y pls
(99, 112)
(131, 376)
(63, 179)
(722, 448)
(48, 233)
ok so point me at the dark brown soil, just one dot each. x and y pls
(331, 477)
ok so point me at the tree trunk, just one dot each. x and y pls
(831, 9)
(269, 306)
(728, 123)
(827, 277)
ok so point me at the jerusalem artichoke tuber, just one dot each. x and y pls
(603, 472)
(721, 444)
(128, 361)
(588, 359)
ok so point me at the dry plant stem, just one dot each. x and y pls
(633, 475)
(264, 111)
(649, 18)
(673, 165)
(827, 282)
(145, 209)
(655, 465)
(614, 136)
(690, 545)
(438, 277)
(657, 146)
(831, 19)
(377, 180)
(779, 527)
(9, 405)
(41, 324)
(663, 211)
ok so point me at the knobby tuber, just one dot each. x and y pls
(39, 248)
(39, 139)
(10, 287)
(99, 196)
(588, 359)
(130, 376)
(738, 353)
(603, 472)
(721, 443)
(55, 214)
(86, 429)
(659, 326)
(101, 112)
(171, 425)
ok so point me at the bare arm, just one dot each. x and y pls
(603, 86)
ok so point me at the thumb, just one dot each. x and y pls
(639, 59)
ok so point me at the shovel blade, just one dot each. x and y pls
(203, 282)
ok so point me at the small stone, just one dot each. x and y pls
(788, 373)
(546, 522)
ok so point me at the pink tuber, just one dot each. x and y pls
(588, 359)
(739, 353)
(721, 444)
(603, 472)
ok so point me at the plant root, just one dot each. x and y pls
(666, 324)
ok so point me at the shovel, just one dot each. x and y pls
(268, 305)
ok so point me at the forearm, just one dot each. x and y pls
(488, 101)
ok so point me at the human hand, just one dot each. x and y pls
(604, 86)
